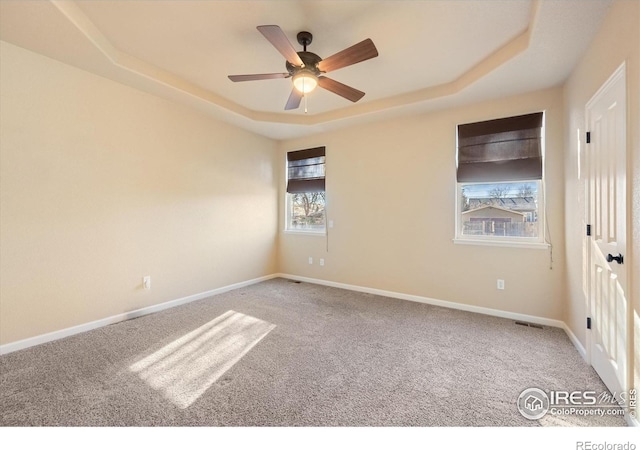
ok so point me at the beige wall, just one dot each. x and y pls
(391, 194)
(102, 184)
(617, 41)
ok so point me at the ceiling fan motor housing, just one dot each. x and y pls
(310, 61)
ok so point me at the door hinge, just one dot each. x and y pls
(588, 137)
(588, 230)
(588, 323)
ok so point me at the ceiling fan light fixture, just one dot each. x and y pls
(305, 81)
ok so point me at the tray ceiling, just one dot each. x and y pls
(432, 54)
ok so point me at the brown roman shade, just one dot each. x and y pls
(305, 170)
(508, 149)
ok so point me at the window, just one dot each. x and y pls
(305, 203)
(500, 181)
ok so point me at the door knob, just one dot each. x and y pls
(619, 259)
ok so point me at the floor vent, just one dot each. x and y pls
(532, 325)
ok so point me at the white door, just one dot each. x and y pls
(606, 165)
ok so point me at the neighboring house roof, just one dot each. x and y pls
(523, 204)
(494, 207)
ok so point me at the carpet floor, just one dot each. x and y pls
(281, 353)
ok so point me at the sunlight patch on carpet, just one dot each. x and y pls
(184, 369)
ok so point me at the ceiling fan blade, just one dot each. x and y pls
(341, 89)
(278, 39)
(258, 76)
(294, 100)
(356, 53)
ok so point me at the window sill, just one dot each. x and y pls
(497, 243)
(305, 233)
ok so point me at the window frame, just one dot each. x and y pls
(288, 216)
(503, 241)
(288, 204)
(539, 242)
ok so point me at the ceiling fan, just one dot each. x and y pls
(306, 68)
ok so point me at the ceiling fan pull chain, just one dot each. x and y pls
(305, 103)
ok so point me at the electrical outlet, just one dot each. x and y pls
(310, 260)
(331, 224)
(146, 282)
(322, 261)
(501, 284)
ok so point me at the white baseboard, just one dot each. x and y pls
(576, 342)
(48, 337)
(432, 301)
(55, 335)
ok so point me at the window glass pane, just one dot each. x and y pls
(500, 209)
(306, 211)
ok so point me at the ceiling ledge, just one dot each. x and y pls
(129, 63)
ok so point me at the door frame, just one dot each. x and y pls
(620, 72)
